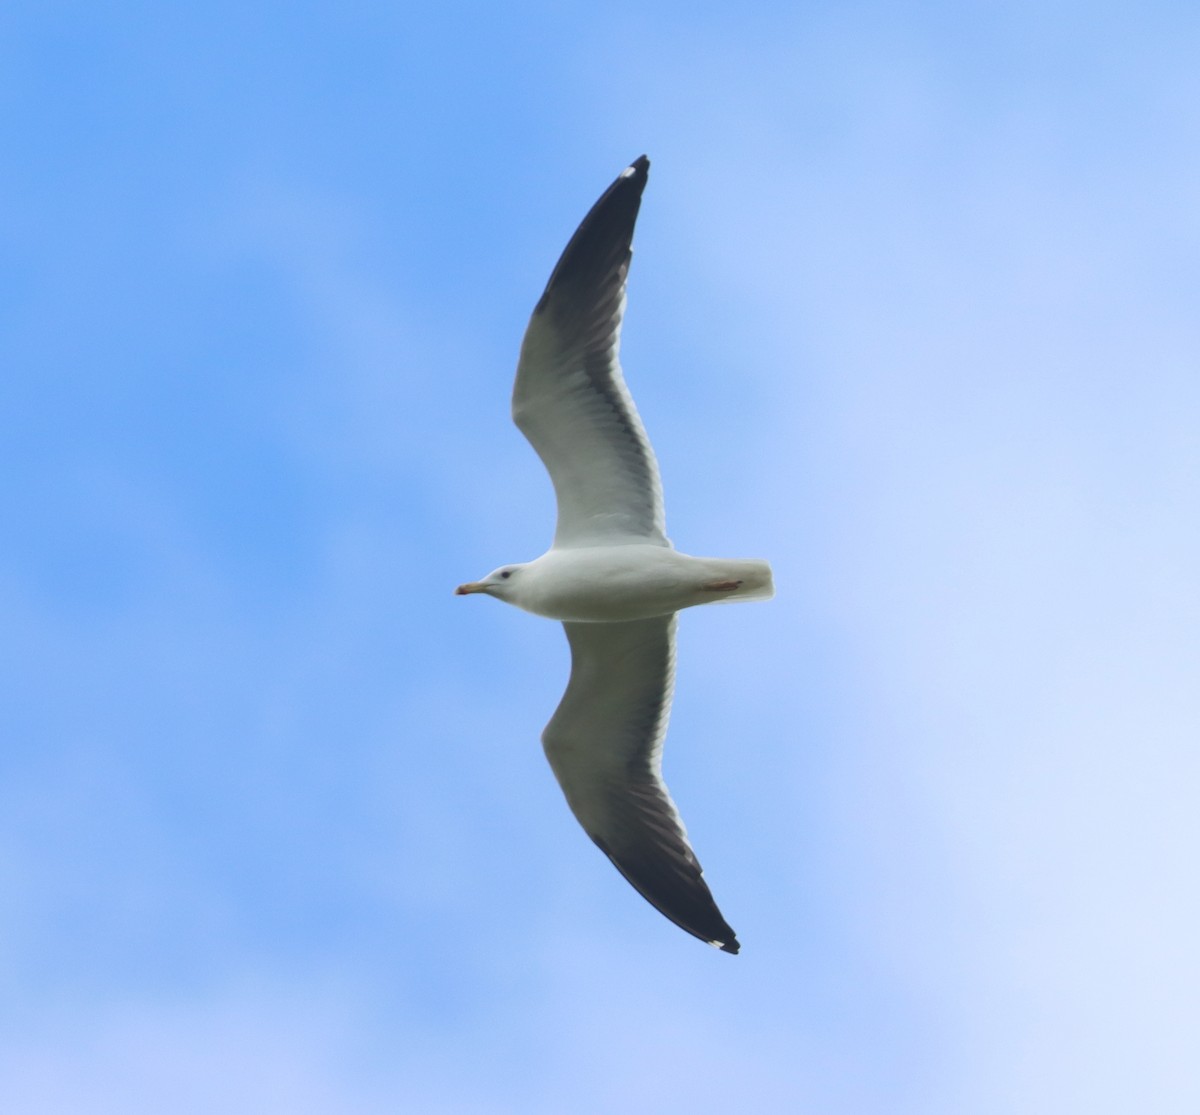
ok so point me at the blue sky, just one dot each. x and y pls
(912, 313)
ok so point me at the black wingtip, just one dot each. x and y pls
(637, 173)
(690, 905)
(600, 248)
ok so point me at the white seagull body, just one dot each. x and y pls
(612, 576)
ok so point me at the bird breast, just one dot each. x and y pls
(609, 584)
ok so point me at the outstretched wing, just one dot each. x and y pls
(604, 744)
(570, 398)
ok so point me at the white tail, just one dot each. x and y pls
(755, 575)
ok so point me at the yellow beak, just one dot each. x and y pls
(469, 587)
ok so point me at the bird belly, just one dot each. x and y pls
(614, 583)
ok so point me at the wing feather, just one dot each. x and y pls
(604, 744)
(570, 399)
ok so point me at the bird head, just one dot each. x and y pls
(497, 583)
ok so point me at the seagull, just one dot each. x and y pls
(612, 576)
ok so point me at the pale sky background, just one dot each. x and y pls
(913, 313)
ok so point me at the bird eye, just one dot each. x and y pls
(505, 574)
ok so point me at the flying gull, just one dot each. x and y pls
(612, 576)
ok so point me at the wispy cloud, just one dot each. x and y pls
(909, 316)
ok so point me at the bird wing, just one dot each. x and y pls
(570, 398)
(604, 744)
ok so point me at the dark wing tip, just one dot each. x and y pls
(680, 895)
(599, 251)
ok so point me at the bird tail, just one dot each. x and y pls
(755, 575)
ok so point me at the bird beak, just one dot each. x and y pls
(470, 587)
